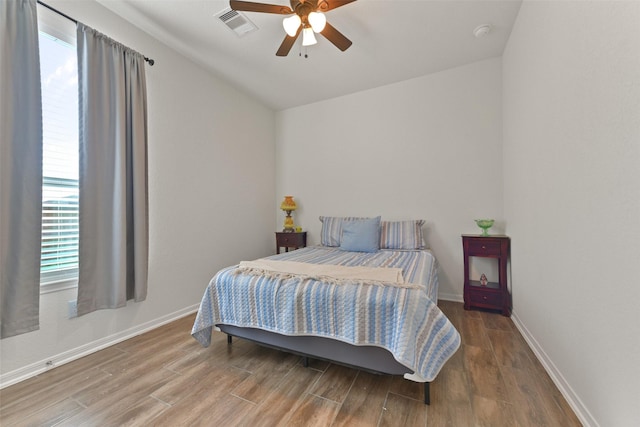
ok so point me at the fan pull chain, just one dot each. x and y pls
(306, 54)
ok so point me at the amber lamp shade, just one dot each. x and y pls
(288, 205)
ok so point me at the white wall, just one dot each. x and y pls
(427, 148)
(211, 195)
(572, 197)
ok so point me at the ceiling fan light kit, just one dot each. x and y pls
(308, 38)
(307, 17)
(291, 24)
(317, 21)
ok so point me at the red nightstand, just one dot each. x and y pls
(493, 295)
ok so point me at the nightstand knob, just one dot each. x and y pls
(484, 247)
(484, 297)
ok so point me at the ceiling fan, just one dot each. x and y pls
(307, 17)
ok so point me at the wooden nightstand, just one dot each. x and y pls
(288, 240)
(493, 295)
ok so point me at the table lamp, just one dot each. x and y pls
(288, 205)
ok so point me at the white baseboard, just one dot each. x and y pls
(37, 368)
(450, 297)
(558, 379)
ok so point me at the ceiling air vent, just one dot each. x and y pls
(236, 21)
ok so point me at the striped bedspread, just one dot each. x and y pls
(405, 321)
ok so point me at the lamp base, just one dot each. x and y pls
(289, 226)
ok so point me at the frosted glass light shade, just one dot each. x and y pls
(291, 24)
(308, 38)
(317, 21)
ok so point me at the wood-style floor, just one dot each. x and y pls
(165, 378)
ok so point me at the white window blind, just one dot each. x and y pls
(59, 77)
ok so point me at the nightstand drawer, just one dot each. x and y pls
(291, 239)
(485, 298)
(483, 246)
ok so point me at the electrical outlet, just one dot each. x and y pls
(73, 308)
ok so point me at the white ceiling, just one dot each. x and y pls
(393, 40)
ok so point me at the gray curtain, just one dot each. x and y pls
(113, 173)
(20, 167)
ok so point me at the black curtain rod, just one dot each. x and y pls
(149, 60)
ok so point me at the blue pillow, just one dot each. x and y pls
(361, 235)
(331, 233)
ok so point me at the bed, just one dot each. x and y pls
(341, 305)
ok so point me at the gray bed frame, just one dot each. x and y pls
(368, 358)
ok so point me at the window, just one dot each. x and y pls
(59, 77)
